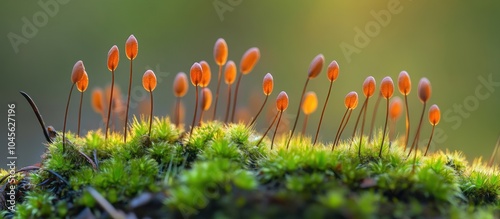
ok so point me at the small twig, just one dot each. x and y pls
(89, 160)
(38, 115)
(113, 213)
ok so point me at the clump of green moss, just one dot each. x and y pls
(221, 172)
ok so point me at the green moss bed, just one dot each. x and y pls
(220, 172)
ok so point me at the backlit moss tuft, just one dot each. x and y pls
(219, 169)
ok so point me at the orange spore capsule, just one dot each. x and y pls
(369, 86)
(316, 66)
(220, 56)
(282, 101)
(424, 90)
(196, 74)
(180, 89)
(351, 100)
(268, 84)
(310, 103)
(368, 90)
(77, 72)
(395, 108)
(404, 83)
(220, 52)
(131, 47)
(229, 78)
(149, 83)
(333, 71)
(386, 90)
(314, 70)
(387, 87)
(332, 74)
(424, 94)
(149, 80)
(113, 58)
(83, 83)
(131, 50)
(434, 115)
(395, 111)
(249, 59)
(267, 88)
(76, 75)
(97, 100)
(230, 72)
(281, 105)
(206, 74)
(180, 84)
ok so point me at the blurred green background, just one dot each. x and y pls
(454, 44)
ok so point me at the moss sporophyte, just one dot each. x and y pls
(156, 168)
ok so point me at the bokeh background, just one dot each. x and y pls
(454, 44)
